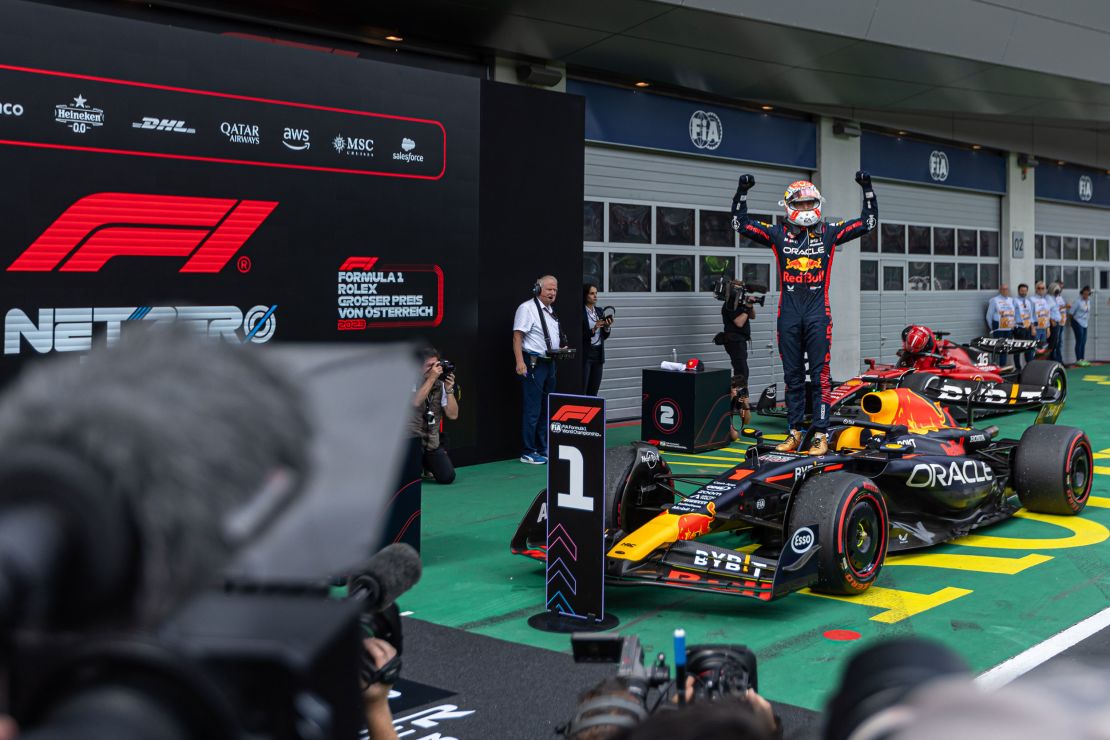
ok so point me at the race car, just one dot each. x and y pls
(904, 477)
(966, 379)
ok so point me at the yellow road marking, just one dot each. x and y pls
(897, 605)
(1102, 470)
(1100, 502)
(978, 563)
(1083, 532)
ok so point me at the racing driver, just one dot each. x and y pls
(804, 247)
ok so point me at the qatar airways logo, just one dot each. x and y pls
(72, 329)
(207, 232)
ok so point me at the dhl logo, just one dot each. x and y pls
(804, 264)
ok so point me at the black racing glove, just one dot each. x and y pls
(745, 184)
(863, 177)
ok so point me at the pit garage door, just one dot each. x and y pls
(933, 260)
(657, 230)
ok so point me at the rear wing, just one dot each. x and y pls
(1002, 345)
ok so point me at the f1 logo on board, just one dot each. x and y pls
(209, 231)
(582, 414)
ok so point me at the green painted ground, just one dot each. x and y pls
(990, 597)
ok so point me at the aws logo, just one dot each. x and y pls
(97, 228)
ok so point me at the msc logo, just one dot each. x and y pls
(1086, 188)
(706, 131)
(581, 414)
(938, 165)
(209, 231)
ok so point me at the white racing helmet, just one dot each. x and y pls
(802, 201)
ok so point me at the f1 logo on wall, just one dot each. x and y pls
(209, 231)
(667, 416)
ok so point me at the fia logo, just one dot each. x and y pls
(706, 131)
(1086, 188)
(938, 165)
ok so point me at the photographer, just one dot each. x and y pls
(737, 313)
(434, 399)
(596, 326)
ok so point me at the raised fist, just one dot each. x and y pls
(745, 184)
(863, 177)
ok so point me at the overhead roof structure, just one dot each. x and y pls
(1024, 75)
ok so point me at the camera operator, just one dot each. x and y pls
(435, 399)
(375, 697)
(737, 313)
(595, 325)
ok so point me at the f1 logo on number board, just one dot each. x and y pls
(576, 413)
(209, 231)
(667, 416)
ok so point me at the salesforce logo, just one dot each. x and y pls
(406, 154)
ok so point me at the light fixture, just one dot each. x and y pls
(641, 83)
(767, 107)
(537, 74)
(976, 147)
(392, 37)
(846, 128)
(901, 133)
(1060, 162)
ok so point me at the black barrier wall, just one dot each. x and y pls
(264, 193)
(530, 225)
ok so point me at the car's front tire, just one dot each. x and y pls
(853, 528)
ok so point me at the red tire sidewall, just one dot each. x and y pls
(1077, 500)
(856, 580)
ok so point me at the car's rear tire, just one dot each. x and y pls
(631, 496)
(1045, 373)
(853, 528)
(1053, 470)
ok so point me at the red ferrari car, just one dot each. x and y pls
(965, 378)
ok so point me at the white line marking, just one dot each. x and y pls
(1022, 663)
(407, 614)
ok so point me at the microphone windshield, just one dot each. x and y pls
(393, 571)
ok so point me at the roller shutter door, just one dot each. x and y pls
(1081, 221)
(885, 313)
(651, 324)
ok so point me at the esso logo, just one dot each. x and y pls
(802, 540)
(667, 416)
(11, 109)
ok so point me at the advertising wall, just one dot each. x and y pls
(259, 193)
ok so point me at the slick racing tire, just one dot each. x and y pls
(1042, 373)
(853, 527)
(631, 496)
(1053, 469)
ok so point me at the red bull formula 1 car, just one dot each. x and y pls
(966, 379)
(904, 477)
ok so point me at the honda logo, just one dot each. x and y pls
(209, 231)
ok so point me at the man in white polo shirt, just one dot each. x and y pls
(535, 331)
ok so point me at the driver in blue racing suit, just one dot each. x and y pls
(804, 247)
